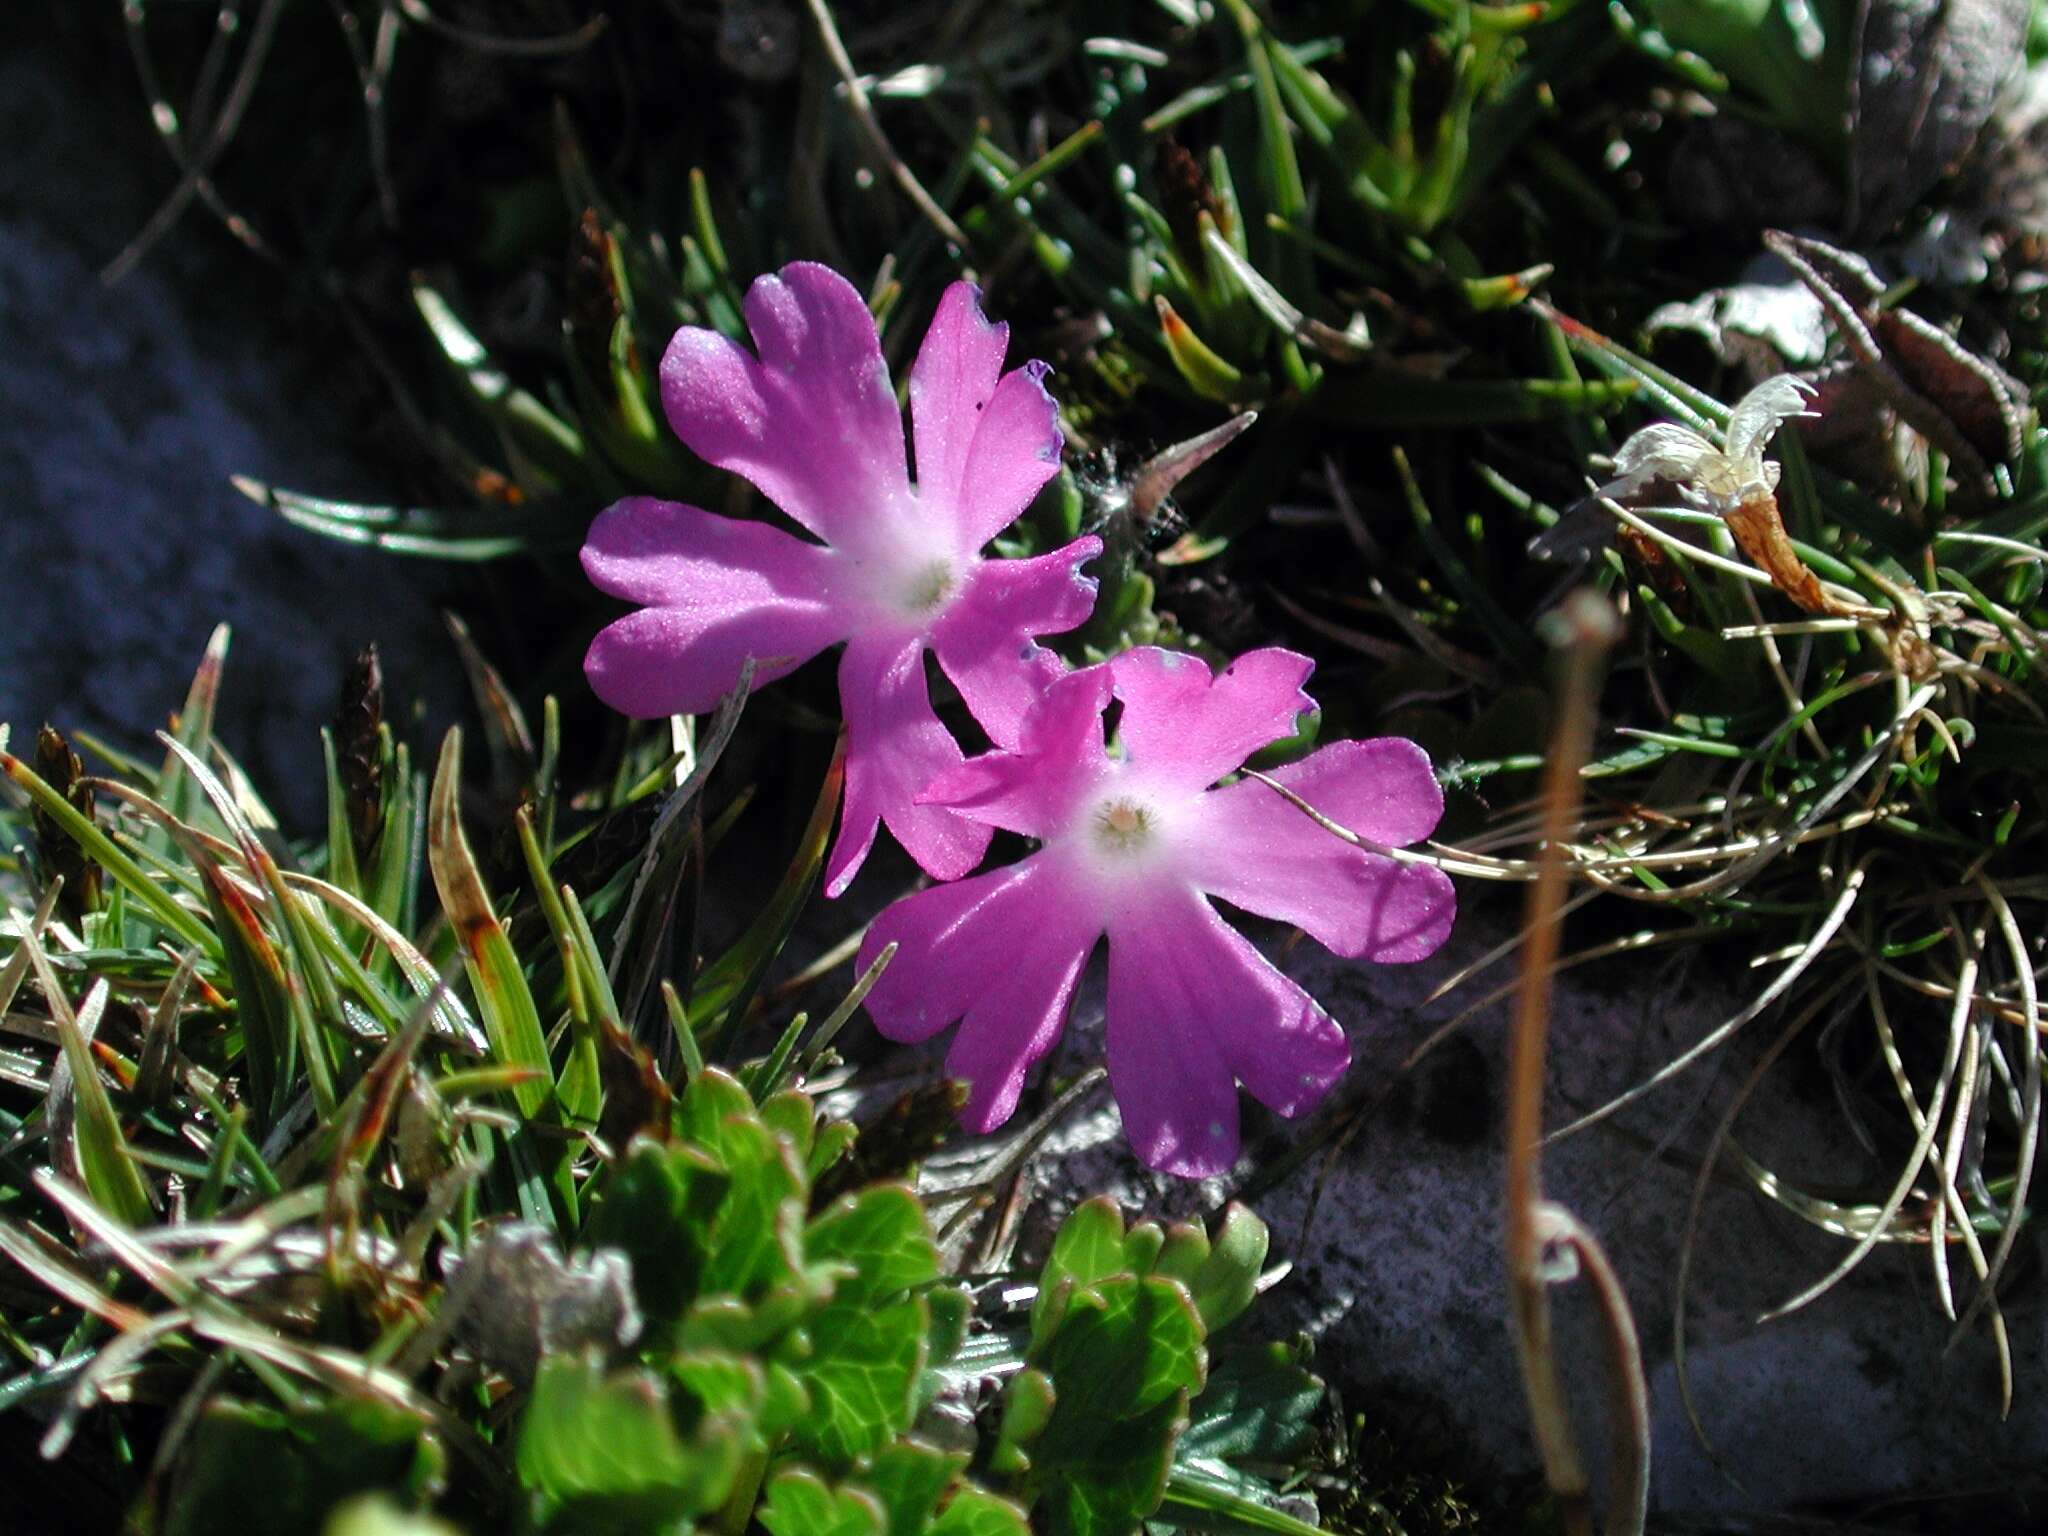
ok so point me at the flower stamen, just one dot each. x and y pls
(930, 588)
(1122, 826)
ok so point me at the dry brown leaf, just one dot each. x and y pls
(1760, 531)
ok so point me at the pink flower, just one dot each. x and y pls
(814, 424)
(1133, 844)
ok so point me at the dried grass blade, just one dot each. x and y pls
(1924, 1127)
(1852, 886)
(2030, 1115)
(94, 1137)
(419, 972)
(80, 1209)
(1966, 1074)
(59, 1271)
(510, 1018)
(16, 969)
(160, 1041)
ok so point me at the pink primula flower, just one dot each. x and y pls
(814, 424)
(1133, 845)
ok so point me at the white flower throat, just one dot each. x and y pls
(1122, 825)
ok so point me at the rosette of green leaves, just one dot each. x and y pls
(782, 1346)
(1125, 1410)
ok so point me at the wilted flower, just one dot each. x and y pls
(1134, 842)
(1720, 475)
(814, 424)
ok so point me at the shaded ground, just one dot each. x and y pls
(123, 412)
(1397, 1263)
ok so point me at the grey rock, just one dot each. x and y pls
(1999, 210)
(124, 410)
(1927, 78)
(1398, 1271)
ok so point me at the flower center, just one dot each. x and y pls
(1722, 478)
(1122, 826)
(930, 586)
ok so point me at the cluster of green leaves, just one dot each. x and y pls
(1096, 1426)
(779, 1345)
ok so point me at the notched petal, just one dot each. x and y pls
(1195, 728)
(1193, 1008)
(955, 375)
(813, 422)
(1665, 451)
(1016, 449)
(1758, 414)
(986, 641)
(1000, 952)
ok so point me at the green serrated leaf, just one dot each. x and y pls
(1142, 1246)
(712, 1097)
(658, 1208)
(800, 1503)
(1088, 1247)
(601, 1453)
(792, 1115)
(1127, 1344)
(974, 1512)
(835, 1138)
(1093, 1482)
(1183, 1254)
(907, 1479)
(1259, 1405)
(1123, 1364)
(882, 1235)
(1028, 1404)
(1228, 1279)
(862, 1376)
(754, 1236)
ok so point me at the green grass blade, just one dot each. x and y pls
(110, 1174)
(510, 1018)
(110, 857)
(194, 728)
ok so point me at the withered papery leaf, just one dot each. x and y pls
(1760, 532)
